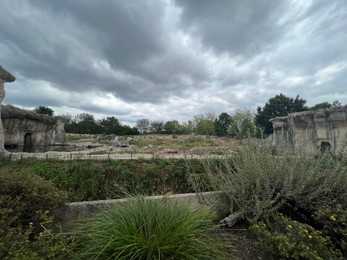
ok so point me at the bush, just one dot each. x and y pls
(259, 183)
(288, 239)
(95, 180)
(143, 228)
(26, 204)
(333, 224)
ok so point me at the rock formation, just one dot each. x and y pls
(27, 128)
(5, 76)
(322, 130)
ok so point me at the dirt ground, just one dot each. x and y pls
(239, 245)
(160, 144)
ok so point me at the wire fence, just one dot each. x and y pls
(108, 156)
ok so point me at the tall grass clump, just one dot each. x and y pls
(143, 228)
(259, 183)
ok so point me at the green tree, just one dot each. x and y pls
(204, 124)
(223, 124)
(127, 130)
(321, 106)
(44, 110)
(143, 125)
(172, 127)
(83, 123)
(277, 106)
(157, 126)
(187, 128)
(242, 124)
(111, 125)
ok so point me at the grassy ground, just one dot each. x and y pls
(164, 144)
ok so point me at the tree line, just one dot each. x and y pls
(241, 123)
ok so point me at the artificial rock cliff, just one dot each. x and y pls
(27, 128)
(5, 76)
(321, 130)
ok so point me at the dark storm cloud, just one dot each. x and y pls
(119, 47)
(172, 58)
(239, 27)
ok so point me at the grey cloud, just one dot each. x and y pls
(72, 35)
(240, 27)
(171, 58)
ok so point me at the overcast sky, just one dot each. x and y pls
(171, 59)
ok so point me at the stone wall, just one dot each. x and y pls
(77, 211)
(321, 130)
(21, 126)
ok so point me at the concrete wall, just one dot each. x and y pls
(313, 130)
(44, 129)
(77, 211)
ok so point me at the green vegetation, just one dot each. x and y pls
(146, 228)
(310, 191)
(93, 180)
(288, 239)
(44, 110)
(294, 203)
(27, 203)
(85, 123)
(277, 106)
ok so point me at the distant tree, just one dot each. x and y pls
(223, 124)
(172, 127)
(321, 106)
(111, 125)
(143, 125)
(277, 106)
(83, 123)
(187, 128)
(204, 124)
(44, 110)
(157, 126)
(243, 124)
(127, 130)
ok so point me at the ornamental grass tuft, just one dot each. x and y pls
(144, 228)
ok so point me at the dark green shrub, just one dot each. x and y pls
(333, 223)
(94, 180)
(288, 239)
(144, 228)
(80, 179)
(26, 204)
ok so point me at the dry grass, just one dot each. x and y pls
(168, 144)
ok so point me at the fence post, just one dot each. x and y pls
(70, 156)
(108, 156)
(131, 156)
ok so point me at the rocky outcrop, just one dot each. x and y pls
(321, 130)
(5, 76)
(27, 128)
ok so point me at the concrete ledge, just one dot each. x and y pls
(77, 211)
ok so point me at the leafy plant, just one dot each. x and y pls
(93, 180)
(288, 239)
(26, 204)
(333, 223)
(143, 228)
(259, 183)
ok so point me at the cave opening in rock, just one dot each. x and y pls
(28, 141)
(325, 147)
